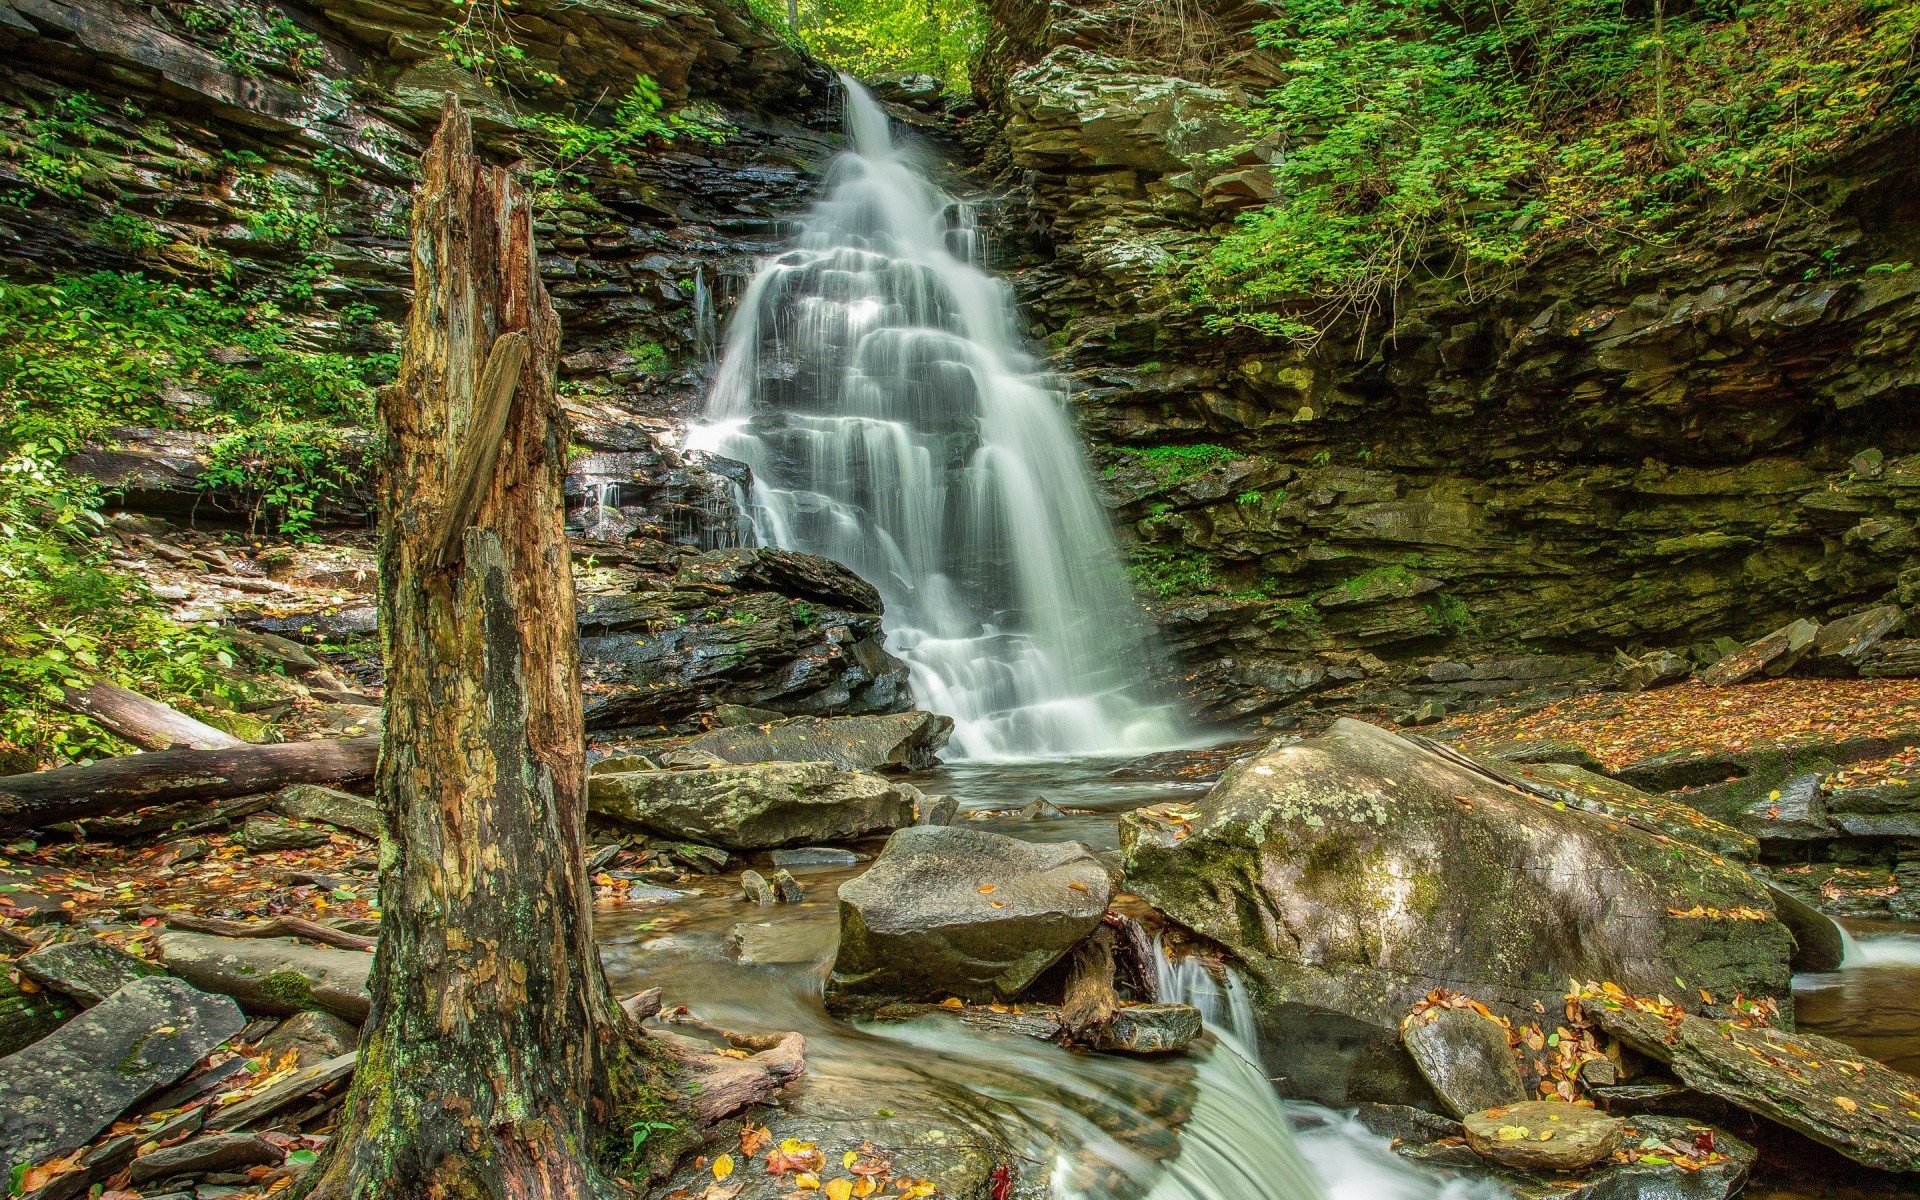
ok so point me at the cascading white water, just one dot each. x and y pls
(874, 382)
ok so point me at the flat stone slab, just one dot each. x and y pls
(208, 1152)
(908, 741)
(89, 970)
(1643, 1169)
(1813, 1085)
(273, 975)
(311, 802)
(756, 807)
(59, 1092)
(1465, 1056)
(1544, 1135)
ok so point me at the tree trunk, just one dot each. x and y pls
(1090, 999)
(145, 722)
(490, 1059)
(43, 798)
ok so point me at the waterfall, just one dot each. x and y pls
(873, 380)
(1224, 1003)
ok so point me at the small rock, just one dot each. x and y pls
(272, 975)
(937, 810)
(787, 888)
(1040, 809)
(756, 890)
(88, 970)
(1466, 1058)
(707, 860)
(602, 856)
(1784, 645)
(263, 836)
(59, 1092)
(1149, 1029)
(1544, 1135)
(314, 1037)
(817, 856)
(1430, 712)
(1655, 670)
(208, 1152)
(311, 802)
(180, 851)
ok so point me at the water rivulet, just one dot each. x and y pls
(874, 382)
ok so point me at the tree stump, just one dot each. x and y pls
(489, 1062)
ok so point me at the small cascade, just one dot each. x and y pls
(603, 521)
(873, 381)
(1224, 1002)
(706, 325)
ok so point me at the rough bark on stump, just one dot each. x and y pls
(1091, 999)
(488, 1062)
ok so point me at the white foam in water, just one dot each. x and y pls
(873, 379)
(1881, 950)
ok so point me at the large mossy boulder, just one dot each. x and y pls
(1356, 872)
(950, 911)
(756, 806)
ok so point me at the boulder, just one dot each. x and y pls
(1466, 1057)
(947, 911)
(1657, 669)
(1819, 943)
(1816, 1086)
(754, 888)
(1773, 654)
(207, 1152)
(311, 802)
(937, 810)
(56, 1094)
(1717, 1165)
(89, 970)
(313, 1036)
(1842, 646)
(1149, 1029)
(786, 887)
(272, 975)
(908, 741)
(1888, 811)
(756, 807)
(1544, 1135)
(264, 836)
(1356, 872)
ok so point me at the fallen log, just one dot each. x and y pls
(169, 776)
(144, 721)
(286, 926)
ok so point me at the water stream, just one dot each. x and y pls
(874, 381)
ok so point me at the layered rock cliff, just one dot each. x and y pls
(1496, 490)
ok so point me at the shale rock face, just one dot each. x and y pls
(1355, 872)
(950, 911)
(755, 807)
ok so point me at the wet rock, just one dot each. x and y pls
(1847, 1102)
(1040, 809)
(1819, 944)
(264, 836)
(1400, 1123)
(1466, 1057)
(1796, 811)
(1149, 1029)
(787, 888)
(755, 889)
(205, 1153)
(1773, 654)
(326, 625)
(755, 807)
(313, 1035)
(311, 802)
(1842, 646)
(180, 851)
(56, 1094)
(1893, 658)
(1544, 1135)
(909, 741)
(1888, 811)
(817, 856)
(947, 911)
(89, 970)
(1714, 1178)
(1355, 872)
(1654, 670)
(937, 810)
(272, 975)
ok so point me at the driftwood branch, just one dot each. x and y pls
(132, 781)
(145, 722)
(286, 926)
(480, 446)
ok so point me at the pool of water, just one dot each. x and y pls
(1201, 1126)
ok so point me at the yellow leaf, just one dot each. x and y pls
(806, 1181)
(839, 1189)
(987, 888)
(723, 1166)
(794, 1146)
(1847, 1104)
(849, 1158)
(1510, 1133)
(866, 1187)
(953, 1002)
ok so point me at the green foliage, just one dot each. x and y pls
(285, 473)
(1175, 463)
(1170, 574)
(1449, 614)
(1461, 139)
(874, 37)
(649, 357)
(484, 40)
(250, 36)
(131, 232)
(563, 144)
(1296, 616)
(53, 156)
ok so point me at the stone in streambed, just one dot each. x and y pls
(948, 911)
(1716, 1175)
(1149, 1029)
(755, 807)
(272, 975)
(59, 1092)
(1040, 809)
(89, 970)
(786, 888)
(937, 810)
(1544, 1135)
(1465, 1057)
(754, 888)
(908, 741)
(1355, 872)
